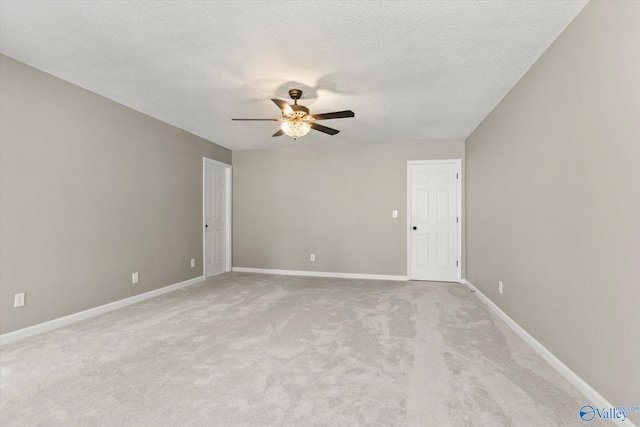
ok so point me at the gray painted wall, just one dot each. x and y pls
(553, 200)
(331, 200)
(91, 191)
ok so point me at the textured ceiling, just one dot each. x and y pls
(411, 70)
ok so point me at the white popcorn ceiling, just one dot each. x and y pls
(410, 70)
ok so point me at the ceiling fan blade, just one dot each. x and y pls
(324, 129)
(259, 120)
(279, 133)
(335, 115)
(284, 106)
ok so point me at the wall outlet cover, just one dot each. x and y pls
(18, 300)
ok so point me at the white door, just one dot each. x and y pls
(215, 219)
(434, 220)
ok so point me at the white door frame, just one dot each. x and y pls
(458, 162)
(227, 202)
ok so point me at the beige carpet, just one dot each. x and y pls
(259, 350)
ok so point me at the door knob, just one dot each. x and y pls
(415, 228)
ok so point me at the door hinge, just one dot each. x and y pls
(456, 263)
(457, 176)
(457, 219)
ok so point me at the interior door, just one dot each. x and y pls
(215, 219)
(434, 235)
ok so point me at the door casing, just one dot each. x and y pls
(410, 163)
(227, 202)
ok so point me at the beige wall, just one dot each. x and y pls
(91, 191)
(334, 201)
(553, 200)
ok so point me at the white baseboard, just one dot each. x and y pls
(82, 315)
(589, 392)
(321, 274)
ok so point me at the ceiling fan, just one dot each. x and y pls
(297, 121)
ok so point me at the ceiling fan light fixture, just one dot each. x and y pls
(295, 129)
(297, 121)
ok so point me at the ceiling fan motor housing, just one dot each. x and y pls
(299, 111)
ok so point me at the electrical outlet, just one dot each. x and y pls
(18, 300)
(394, 214)
(312, 257)
(500, 287)
(134, 277)
(193, 263)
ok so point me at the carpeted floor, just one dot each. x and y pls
(259, 350)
